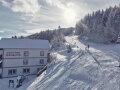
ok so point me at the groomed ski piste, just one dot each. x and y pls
(81, 69)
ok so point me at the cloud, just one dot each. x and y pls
(71, 10)
(26, 7)
(1, 31)
(32, 31)
(12, 32)
(56, 3)
(4, 3)
(96, 4)
(22, 12)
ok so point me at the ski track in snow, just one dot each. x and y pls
(82, 70)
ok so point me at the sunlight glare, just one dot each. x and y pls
(70, 15)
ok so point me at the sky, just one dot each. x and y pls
(25, 17)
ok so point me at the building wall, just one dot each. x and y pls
(32, 53)
(1, 52)
(16, 62)
(0, 70)
(19, 62)
(33, 70)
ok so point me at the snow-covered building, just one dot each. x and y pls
(22, 56)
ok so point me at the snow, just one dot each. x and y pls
(93, 69)
(24, 43)
(4, 83)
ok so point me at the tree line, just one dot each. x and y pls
(100, 26)
(55, 37)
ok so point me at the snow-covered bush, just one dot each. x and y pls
(57, 41)
(53, 58)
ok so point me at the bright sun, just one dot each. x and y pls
(70, 15)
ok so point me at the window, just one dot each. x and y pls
(1, 56)
(26, 53)
(17, 53)
(12, 71)
(26, 70)
(41, 53)
(41, 68)
(38, 69)
(41, 61)
(13, 54)
(25, 61)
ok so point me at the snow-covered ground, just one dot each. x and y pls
(4, 83)
(93, 69)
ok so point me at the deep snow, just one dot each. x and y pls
(82, 69)
(93, 69)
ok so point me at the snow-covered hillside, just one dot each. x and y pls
(93, 69)
(101, 26)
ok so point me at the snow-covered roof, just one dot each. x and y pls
(24, 43)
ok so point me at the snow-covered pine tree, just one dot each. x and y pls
(102, 26)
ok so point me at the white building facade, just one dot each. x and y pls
(22, 56)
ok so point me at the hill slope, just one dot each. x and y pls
(81, 69)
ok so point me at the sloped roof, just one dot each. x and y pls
(24, 43)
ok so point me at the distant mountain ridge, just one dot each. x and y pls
(100, 26)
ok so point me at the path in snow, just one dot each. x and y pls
(82, 70)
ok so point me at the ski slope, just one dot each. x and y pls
(93, 69)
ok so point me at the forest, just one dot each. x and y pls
(102, 26)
